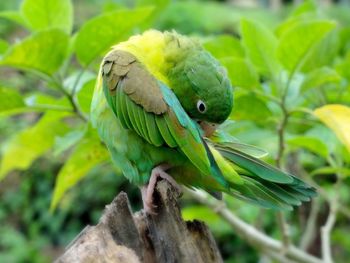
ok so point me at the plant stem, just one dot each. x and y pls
(285, 231)
(50, 107)
(310, 229)
(267, 96)
(250, 234)
(343, 209)
(76, 82)
(282, 222)
(280, 131)
(70, 98)
(281, 148)
(326, 231)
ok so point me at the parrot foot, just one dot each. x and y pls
(148, 190)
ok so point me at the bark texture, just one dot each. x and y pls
(122, 236)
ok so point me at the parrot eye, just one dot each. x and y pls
(201, 106)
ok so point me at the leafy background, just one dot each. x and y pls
(290, 65)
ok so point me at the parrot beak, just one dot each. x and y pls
(208, 127)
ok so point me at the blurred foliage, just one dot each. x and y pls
(288, 68)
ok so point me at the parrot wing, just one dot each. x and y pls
(147, 106)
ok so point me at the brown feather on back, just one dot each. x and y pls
(121, 68)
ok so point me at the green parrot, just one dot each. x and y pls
(158, 103)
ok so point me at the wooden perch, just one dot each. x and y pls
(121, 236)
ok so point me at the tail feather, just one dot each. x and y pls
(256, 166)
(255, 192)
(264, 184)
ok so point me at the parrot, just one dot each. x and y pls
(158, 105)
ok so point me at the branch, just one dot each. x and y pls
(76, 82)
(71, 99)
(250, 234)
(310, 229)
(277, 257)
(326, 231)
(343, 209)
(284, 230)
(280, 132)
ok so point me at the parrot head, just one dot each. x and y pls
(202, 86)
(209, 91)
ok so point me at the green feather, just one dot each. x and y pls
(130, 106)
(244, 148)
(283, 194)
(254, 192)
(194, 151)
(110, 99)
(121, 103)
(118, 110)
(255, 166)
(180, 113)
(164, 130)
(153, 131)
(142, 120)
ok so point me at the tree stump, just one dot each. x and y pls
(121, 236)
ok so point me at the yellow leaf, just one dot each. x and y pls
(337, 118)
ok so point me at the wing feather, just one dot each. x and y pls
(118, 110)
(121, 103)
(135, 118)
(142, 120)
(164, 130)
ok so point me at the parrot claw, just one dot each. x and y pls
(148, 205)
(147, 191)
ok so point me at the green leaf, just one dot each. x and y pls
(158, 7)
(84, 87)
(3, 46)
(43, 52)
(325, 135)
(14, 16)
(42, 102)
(40, 99)
(100, 33)
(343, 67)
(324, 52)
(85, 95)
(308, 6)
(77, 80)
(344, 38)
(283, 27)
(158, 3)
(14, 103)
(27, 145)
(68, 140)
(250, 107)
(320, 77)
(331, 170)
(11, 101)
(241, 72)
(310, 143)
(297, 43)
(44, 14)
(112, 6)
(224, 46)
(88, 153)
(260, 45)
